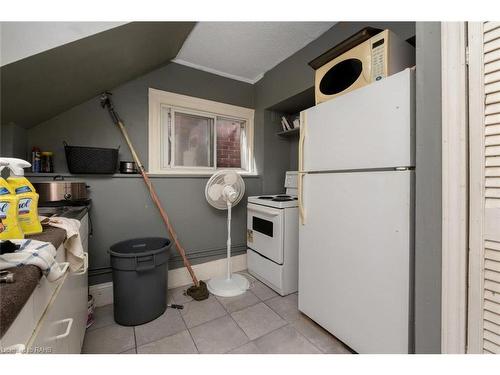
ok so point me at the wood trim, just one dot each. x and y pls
(454, 182)
(476, 186)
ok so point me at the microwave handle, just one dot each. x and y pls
(263, 210)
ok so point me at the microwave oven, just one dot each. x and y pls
(380, 53)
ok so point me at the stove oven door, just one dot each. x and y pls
(265, 231)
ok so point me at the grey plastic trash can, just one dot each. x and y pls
(139, 279)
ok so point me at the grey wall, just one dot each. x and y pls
(13, 141)
(428, 189)
(121, 206)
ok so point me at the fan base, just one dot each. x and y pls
(224, 287)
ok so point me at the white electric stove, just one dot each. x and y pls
(273, 237)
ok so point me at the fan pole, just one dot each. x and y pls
(228, 240)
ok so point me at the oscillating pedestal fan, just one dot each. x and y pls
(224, 190)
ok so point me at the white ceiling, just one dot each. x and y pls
(246, 50)
(23, 39)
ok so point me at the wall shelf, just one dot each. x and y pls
(291, 108)
(289, 133)
(121, 175)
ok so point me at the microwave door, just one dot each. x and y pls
(342, 76)
(265, 231)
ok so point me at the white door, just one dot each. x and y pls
(371, 127)
(265, 231)
(355, 250)
(484, 233)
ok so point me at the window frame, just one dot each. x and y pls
(158, 100)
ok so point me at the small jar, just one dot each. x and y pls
(36, 162)
(47, 162)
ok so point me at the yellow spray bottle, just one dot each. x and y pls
(27, 212)
(9, 225)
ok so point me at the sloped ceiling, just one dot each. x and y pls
(41, 86)
(23, 39)
(246, 50)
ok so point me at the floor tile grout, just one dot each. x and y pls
(268, 333)
(307, 339)
(242, 327)
(290, 324)
(231, 317)
(243, 308)
(211, 320)
(237, 325)
(135, 341)
(190, 335)
(194, 342)
(281, 309)
(250, 340)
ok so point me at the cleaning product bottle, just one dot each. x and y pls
(27, 213)
(10, 228)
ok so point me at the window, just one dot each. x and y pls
(195, 136)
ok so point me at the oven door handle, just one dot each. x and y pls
(263, 210)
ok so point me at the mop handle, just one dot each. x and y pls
(155, 199)
(106, 102)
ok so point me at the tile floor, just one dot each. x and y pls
(257, 322)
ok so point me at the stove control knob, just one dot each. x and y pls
(67, 196)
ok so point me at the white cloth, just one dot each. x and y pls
(37, 253)
(73, 242)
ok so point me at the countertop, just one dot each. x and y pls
(14, 296)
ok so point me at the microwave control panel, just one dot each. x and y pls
(378, 57)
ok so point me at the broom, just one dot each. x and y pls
(199, 290)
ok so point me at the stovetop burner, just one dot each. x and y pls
(266, 197)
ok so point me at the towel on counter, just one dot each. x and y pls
(37, 253)
(72, 243)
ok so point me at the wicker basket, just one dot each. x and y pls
(91, 160)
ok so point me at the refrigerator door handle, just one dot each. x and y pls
(302, 140)
(302, 214)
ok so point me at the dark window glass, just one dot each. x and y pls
(262, 226)
(341, 76)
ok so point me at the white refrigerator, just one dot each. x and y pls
(356, 161)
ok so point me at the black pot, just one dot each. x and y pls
(128, 167)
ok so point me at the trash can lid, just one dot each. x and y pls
(140, 246)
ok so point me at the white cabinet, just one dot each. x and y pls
(54, 318)
(74, 304)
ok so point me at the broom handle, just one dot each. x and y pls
(155, 199)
